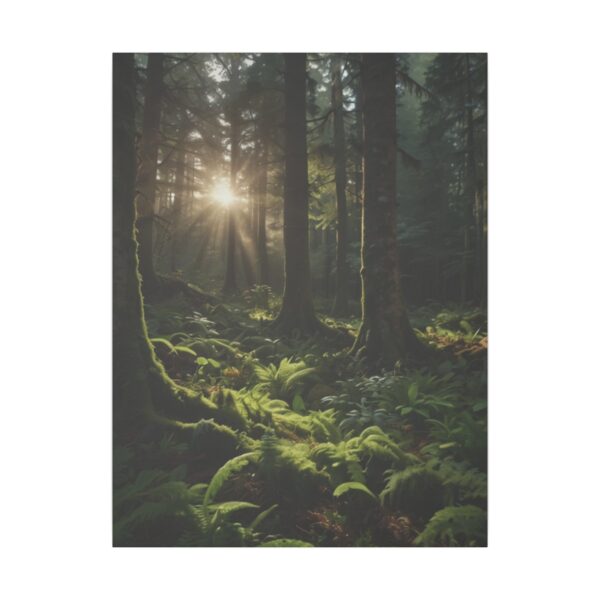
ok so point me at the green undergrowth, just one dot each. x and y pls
(303, 447)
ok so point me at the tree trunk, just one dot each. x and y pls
(146, 178)
(340, 303)
(327, 262)
(473, 193)
(297, 311)
(385, 335)
(230, 284)
(262, 188)
(140, 383)
(358, 168)
(179, 199)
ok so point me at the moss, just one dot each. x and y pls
(258, 430)
(227, 409)
(290, 476)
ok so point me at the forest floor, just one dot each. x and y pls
(301, 446)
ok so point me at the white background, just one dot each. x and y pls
(55, 245)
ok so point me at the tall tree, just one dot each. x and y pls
(141, 387)
(234, 118)
(340, 303)
(180, 195)
(146, 179)
(261, 191)
(454, 124)
(297, 311)
(385, 335)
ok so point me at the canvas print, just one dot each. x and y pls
(299, 299)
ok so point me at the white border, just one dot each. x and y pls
(56, 299)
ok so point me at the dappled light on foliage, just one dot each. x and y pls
(300, 300)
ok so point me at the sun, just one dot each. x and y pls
(222, 193)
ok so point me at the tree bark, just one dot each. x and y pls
(473, 192)
(179, 199)
(141, 387)
(230, 284)
(358, 167)
(146, 179)
(327, 260)
(262, 189)
(297, 312)
(385, 336)
(340, 303)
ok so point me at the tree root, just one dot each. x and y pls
(167, 286)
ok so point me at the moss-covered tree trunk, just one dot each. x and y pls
(297, 311)
(141, 387)
(146, 178)
(340, 303)
(385, 335)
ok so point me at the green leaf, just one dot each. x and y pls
(228, 507)
(263, 515)
(353, 485)
(447, 445)
(413, 391)
(298, 404)
(222, 475)
(201, 361)
(214, 363)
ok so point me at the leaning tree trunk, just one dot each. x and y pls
(340, 303)
(385, 336)
(146, 178)
(141, 387)
(297, 312)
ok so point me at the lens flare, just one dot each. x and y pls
(222, 193)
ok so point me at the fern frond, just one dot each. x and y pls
(225, 472)
(344, 488)
(455, 526)
(262, 516)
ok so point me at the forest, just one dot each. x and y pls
(299, 299)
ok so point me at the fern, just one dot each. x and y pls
(417, 491)
(341, 462)
(225, 472)
(154, 494)
(455, 526)
(285, 380)
(262, 516)
(344, 488)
